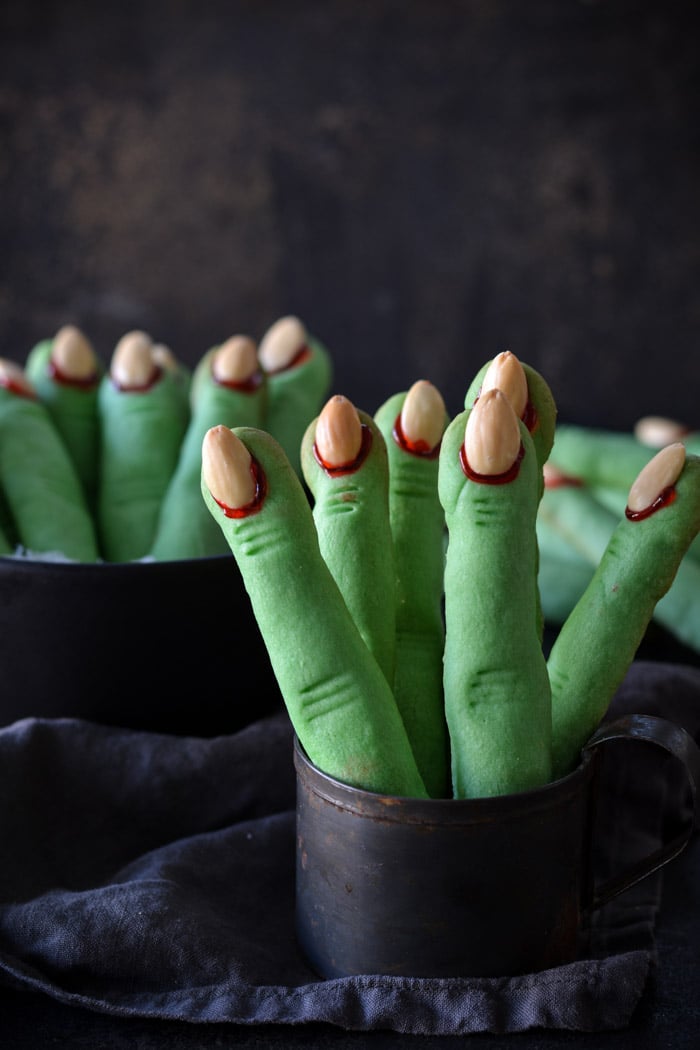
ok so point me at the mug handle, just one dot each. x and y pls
(675, 741)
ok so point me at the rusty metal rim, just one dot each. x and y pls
(395, 809)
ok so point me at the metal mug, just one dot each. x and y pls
(456, 888)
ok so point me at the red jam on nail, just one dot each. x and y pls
(84, 383)
(258, 499)
(355, 464)
(243, 386)
(302, 355)
(530, 417)
(561, 481)
(416, 448)
(492, 479)
(17, 388)
(664, 499)
(140, 388)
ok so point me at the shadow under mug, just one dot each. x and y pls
(461, 888)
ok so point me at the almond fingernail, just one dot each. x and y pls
(658, 431)
(236, 360)
(163, 356)
(73, 354)
(226, 468)
(660, 473)
(338, 432)
(14, 378)
(282, 342)
(507, 374)
(132, 364)
(492, 434)
(423, 416)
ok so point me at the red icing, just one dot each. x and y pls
(529, 416)
(664, 499)
(491, 479)
(86, 383)
(244, 386)
(416, 448)
(558, 481)
(348, 468)
(17, 388)
(258, 499)
(302, 354)
(140, 388)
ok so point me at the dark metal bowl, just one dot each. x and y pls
(161, 646)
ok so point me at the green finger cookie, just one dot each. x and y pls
(539, 411)
(585, 523)
(351, 513)
(65, 373)
(39, 480)
(598, 456)
(141, 430)
(497, 696)
(338, 700)
(299, 372)
(233, 397)
(600, 637)
(418, 534)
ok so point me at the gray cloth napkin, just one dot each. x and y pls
(151, 875)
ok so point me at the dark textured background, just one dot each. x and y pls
(425, 183)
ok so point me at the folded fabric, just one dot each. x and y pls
(153, 875)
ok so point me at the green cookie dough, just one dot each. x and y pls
(295, 396)
(615, 499)
(600, 637)
(186, 529)
(72, 406)
(141, 431)
(540, 417)
(561, 582)
(351, 513)
(583, 521)
(497, 695)
(180, 374)
(598, 456)
(564, 571)
(578, 518)
(200, 376)
(40, 482)
(418, 534)
(338, 700)
(542, 423)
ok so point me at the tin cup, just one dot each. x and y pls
(462, 888)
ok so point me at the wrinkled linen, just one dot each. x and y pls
(152, 875)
